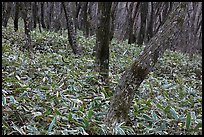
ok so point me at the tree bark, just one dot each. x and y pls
(136, 73)
(26, 13)
(103, 40)
(143, 16)
(85, 26)
(6, 12)
(42, 15)
(71, 33)
(34, 5)
(16, 16)
(113, 11)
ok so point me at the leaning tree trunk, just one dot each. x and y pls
(71, 33)
(103, 40)
(136, 73)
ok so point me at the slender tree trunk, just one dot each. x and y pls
(143, 16)
(149, 31)
(78, 8)
(85, 26)
(113, 11)
(131, 19)
(71, 33)
(16, 17)
(34, 5)
(6, 13)
(138, 71)
(103, 40)
(42, 15)
(26, 13)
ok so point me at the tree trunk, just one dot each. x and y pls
(103, 40)
(34, 5)
(136, 73)
(16, 16)
(143, 16)
(149, 30)
(26, 13)
(71, 33)
(113, 11)
(6, 13)
(85, 26)
(42, 15)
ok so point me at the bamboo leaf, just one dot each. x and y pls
(188, 120)
(174, 113)
(90, 113)
(52, 124)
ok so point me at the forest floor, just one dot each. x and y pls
(44, 95)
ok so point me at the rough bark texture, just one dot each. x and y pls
(136, 73)
(26, 13)
(71, 33)
(103, 40)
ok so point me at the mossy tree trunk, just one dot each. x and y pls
(138, 71)
(103, 40)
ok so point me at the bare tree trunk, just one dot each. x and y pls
(26, 13)
(136, 73)
(71, 33)
(78, 8)
(143, 16)
(42, 15)
(131, 19)
(113, 10)
(85, 26)
(103, 40)
(34, 6)
(16, 16)
(6, 12)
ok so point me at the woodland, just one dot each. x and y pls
(101, 68)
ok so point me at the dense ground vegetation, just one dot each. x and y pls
(44, 95)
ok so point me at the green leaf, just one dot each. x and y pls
(52, 124)
(154, 116)
(70, 116)
(174, 113)
(57, 112)
(188, 120)
(90, 113)
(167, 109)
(159, 106)
(197, 126)
(148, 118)
(44, 87)
(86, 123)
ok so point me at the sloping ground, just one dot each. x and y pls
(47, 96)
